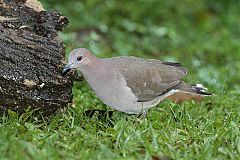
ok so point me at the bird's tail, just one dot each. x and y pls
(189, 91)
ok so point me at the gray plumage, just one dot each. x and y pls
(131, 84)
(147, 79)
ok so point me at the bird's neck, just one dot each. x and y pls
(94, 68)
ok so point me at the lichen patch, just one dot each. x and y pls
(29, 83)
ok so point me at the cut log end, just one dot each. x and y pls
(32, 58)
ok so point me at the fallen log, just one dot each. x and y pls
(32, 58)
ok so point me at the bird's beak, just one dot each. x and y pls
(66, 69)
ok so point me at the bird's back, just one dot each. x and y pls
(147, 78)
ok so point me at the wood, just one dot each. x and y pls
(32, 58)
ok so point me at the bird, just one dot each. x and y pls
(131, 84)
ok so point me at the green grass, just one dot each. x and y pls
(189, 131)
(202, 34)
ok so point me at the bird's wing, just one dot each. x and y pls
(149, 79)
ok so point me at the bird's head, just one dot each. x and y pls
(78, 58)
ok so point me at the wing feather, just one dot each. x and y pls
(149, 78)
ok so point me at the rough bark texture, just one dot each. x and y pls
(32, 58)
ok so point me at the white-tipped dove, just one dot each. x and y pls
(133, 85)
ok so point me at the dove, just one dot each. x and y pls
(133, 85)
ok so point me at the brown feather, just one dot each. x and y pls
(148, 78)
(179, 97)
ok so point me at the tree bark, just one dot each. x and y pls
(32, 58)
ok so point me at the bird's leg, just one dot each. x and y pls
(144, 112)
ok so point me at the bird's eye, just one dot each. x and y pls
(79, 58)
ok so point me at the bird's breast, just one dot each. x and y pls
(111, 87)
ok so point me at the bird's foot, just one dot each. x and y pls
(143, 114)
